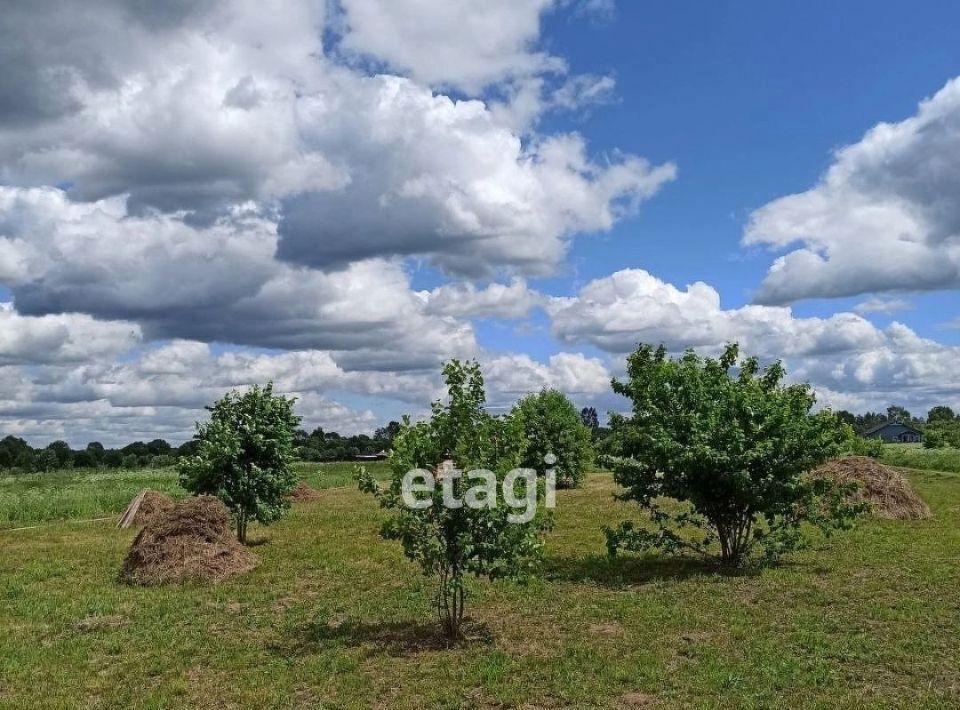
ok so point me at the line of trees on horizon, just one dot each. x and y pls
(16, 453)
(316, 445)
(941, 427)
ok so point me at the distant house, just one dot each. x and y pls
(379, 456)
(895, 432)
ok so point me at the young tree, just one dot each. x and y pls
(940, 414)
(897, 414)
(244, 455)
(448, 542)
(588, 415)
(64, 455)
(731, 442)
(552, 425)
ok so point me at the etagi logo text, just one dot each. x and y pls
(479, 489)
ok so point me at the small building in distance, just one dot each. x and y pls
(895, 433)
(379, 456)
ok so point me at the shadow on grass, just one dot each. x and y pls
(389, 638)
(631, 571)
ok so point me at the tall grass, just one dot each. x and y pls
(336, 474)
(30, 498)
(915, 456)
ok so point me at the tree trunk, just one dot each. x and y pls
(242, 529)
(450, 605)
(735, 540)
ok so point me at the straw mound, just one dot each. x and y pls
(192, 541)
(303, 493)
(886, 490)
(154, 504)
(143, 508)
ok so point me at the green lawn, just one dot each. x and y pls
(334, 617)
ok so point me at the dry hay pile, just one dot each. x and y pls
(304, 493)
(145, 506)
(192, 541)
(887, 491)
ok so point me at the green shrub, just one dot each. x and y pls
(732, 446)
(856, 445)
(942, 434)
(552, 425)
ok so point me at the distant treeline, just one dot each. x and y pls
(15, 453)
(941, 427)
(318, 445)
(865, 422)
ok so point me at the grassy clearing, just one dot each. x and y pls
(338, 473)
(334, 617)
(31, 498)
(916, 457)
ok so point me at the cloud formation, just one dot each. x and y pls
(884, 218)
(218, 283)
(196, 110)
(462, 45)
(886, 306)
(61, 338)
(465, 300)
(630, 306)
(161, 389)
(845, 355)
(197, 196)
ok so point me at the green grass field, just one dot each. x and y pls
(32, 498)
(916, 457)
(334, 617)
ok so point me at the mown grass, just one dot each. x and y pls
(916, 457)
(31, 498)
(334, 617)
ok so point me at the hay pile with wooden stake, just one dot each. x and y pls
(144, 507)
(304, 493)
(191, 542)
(887, 491)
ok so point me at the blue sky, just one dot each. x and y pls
(749, 99)
(339, 196)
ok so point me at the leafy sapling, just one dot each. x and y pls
(448, 521)
(244, 454)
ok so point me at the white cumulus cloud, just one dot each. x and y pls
(884, 218)
(845, 354)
